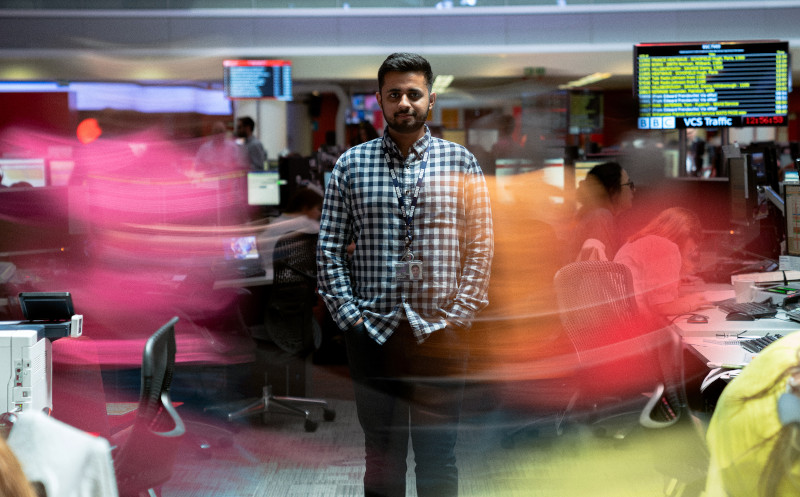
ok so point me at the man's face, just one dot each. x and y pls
(241, 130)
(405, 101)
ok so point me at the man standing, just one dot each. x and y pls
(417, 209)
(256, 155)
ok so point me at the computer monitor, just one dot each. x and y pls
(743, 190)
(46, 306)
(23, 172)
(240, 248)
(791, 196)
(263, 188)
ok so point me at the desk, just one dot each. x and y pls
(714, 342)
(244, 282)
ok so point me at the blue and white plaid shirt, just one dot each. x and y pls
(452, 237)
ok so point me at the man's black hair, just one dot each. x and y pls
(405, 62)
(303, 198)
(248, 121)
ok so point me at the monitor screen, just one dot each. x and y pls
(263, 188)
(791, 192)
(240, 248)
(743, 192)
(254, 79)
(46, 306)
(23, 172)
(706, 85)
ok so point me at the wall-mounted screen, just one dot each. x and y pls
(252, 79)
(705, 85)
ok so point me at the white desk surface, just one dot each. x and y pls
(716, 343)
(716, 340)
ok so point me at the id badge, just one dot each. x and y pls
(408, 271)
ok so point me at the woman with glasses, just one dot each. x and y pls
(606, 192)
(659, 256)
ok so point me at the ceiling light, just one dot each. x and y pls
(586, 80)
(441, 83)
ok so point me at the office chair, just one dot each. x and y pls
(291, 327)
(144, 455)
(621, 353)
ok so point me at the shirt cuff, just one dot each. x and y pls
(348, 316)
(461, 317)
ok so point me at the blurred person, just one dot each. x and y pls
(606, 192)
(408, 200)
(329, 152)
(13, 482)
(219, 153)
(754, 434)
(254, 150)
(659, 256)
(506, 146)
(365, 132)
(301, 215)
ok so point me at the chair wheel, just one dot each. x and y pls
(310, 425)
(328, 414)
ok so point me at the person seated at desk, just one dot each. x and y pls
(302, 214)
(659, 256)
(606, 192)
(754, 434)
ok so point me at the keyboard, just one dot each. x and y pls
(793, 314)
(756, 345)
(754, 309)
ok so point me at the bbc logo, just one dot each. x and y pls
(656, 123)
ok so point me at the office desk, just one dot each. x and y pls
(243, 282)
(715, 342)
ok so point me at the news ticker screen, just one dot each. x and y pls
(248, 78)
(720, 84)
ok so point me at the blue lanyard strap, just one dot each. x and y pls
(408, 215)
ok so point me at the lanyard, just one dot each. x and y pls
(408, 214)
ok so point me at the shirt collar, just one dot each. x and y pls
(418, 148)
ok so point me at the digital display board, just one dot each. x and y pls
(253, 79)
(717, 84)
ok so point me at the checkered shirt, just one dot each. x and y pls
(452, 229)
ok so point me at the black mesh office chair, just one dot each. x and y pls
(292, 328)
(144, 454)
(621, 353)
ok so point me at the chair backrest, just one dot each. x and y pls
(289, 319)
(146, 458)
(596, 303)
(294, 259)
(624, 350)
(158, 366)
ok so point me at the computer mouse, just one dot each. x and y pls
(697, 318)
(739, 316)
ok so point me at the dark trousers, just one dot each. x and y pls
(404, 388)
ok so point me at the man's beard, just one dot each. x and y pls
(405, 126)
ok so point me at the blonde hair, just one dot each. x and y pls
(13, 482)
(676, 224)
(785, 453)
